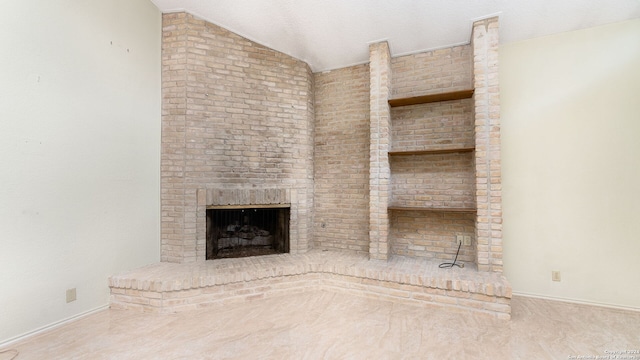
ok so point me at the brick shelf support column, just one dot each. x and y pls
(484, 41)
(379, 171)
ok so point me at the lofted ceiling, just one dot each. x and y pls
(330, 34)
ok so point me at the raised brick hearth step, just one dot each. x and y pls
(170, 287)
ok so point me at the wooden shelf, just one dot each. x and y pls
(430, 152)
(433, 209)
(425, 99)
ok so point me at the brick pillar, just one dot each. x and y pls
(174, 107)
(484, 40)
(201, 225)
(379, 171)
(307, 213)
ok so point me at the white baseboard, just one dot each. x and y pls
(576, 301)
(52, 326)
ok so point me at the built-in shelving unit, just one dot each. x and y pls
(425, 99)
(434, 154)
(432, 181)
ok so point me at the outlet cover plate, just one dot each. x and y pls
(71, 295)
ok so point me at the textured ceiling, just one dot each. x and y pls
(330, 34)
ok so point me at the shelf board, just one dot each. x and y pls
(425, 99)
(434, 151)
(433, 209)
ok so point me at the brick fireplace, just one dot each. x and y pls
(382, 168)
(361, 159)
(245, 222)
(238, 125)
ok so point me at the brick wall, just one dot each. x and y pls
(432, 72)
(433, 126)
(429, 235)
(438, 180)
(433, 180)
(342, 159)
(236, 115)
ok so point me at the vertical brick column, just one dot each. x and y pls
(307, 206)
(174, 107)
(201, 225)
(379, 171)
(484, 40)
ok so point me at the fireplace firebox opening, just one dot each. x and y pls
(249, 231)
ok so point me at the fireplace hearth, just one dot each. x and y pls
(234, 232)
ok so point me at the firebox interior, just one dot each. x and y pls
(251, 231)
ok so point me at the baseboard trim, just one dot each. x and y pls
(52, 326)
(576, 301)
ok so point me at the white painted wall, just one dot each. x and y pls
(571, 164)
(79, 153)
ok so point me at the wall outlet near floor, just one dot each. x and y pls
(459, 239)
(555, 275)
(71, 295)
(467, 240)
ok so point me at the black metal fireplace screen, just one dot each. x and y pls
(251, 231)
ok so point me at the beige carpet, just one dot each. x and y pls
(327, 325)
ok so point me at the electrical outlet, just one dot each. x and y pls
(459, 239)
(467, 240)
(555, 275)
(71, 295)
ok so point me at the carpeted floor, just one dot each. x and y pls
(328, 325)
